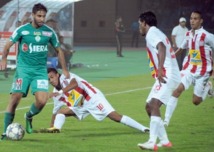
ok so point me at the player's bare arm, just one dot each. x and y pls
(62, 62)
(72, 85)
(161, 57)
(178, 51)
(3, 63)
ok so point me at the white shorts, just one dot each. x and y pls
(199, 82)
(97, 106)
(163, 92)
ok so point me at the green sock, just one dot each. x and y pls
(33, 111)
(8, 119)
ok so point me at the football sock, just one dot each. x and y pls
(59, 121)
(8, 119)
(162, 135)
(33, 111)
(205, 91)
(132, 123)
(170, 108)
(154, 127)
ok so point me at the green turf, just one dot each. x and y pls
(126, 83)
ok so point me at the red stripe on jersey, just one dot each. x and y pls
(187, 63)
(194, 67)
(83, 92)
(88, 85)
(63, 100)
(188, 58)
(203, 55)
(155, 68)
(152, 60)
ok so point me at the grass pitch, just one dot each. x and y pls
(126, 83)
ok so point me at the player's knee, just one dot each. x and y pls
(196, 101)
(148, 110)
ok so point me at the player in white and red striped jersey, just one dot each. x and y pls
(198, 65)
(164, 69)
(81, 99)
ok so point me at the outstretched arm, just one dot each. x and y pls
(3, 63)
(61, 58)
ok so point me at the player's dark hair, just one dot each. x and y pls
(39, 7)
(149, 18)
(199, 13)
(52, 70)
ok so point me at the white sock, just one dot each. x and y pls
(154, 127)
(59, 121)
(162, 135)
(132, 123)
(205, 91)
(170, 108)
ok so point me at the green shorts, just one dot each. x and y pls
(35, 77)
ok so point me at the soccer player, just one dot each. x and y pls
(31, 68)
(198, 67)
(81, 99)
(164, 69)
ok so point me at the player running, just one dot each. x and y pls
(31, 69)
(198, 66)
(164, 69)
(81, 99)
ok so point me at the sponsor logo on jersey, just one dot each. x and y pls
(46, 33)
(195, 57)
(38, 48)
(42, 84)
(25, 32)
(37, 33)
(24, 47)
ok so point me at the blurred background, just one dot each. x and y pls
(91, 22)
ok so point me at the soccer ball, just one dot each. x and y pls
(15, 131)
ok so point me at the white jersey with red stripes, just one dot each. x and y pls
(153, 37)
(84, 92)
(200, 46)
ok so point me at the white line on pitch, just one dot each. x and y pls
(109, 94)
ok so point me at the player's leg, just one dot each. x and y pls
(36, 108)
(172, 103)
(10, 111)
(126, 120)
(60, 117)
(39, 88)
(155, 121)
(186, 82)
(201, 89)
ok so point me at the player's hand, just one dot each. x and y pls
(53, 94)
(161, 76)
(3, 64)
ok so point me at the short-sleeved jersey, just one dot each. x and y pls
(83, 93)
(179, 32)
(153, 37)
(200, 46)
(33, 44)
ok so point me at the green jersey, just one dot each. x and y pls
(33, 44)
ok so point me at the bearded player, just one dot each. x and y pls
(31, 71)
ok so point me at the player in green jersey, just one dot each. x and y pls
(31, 71)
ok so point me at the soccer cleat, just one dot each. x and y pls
(53, 130)
(29, 127)
(210, 92)
(168, 145)
(148, 145)
(146, 130)
(3, 137)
